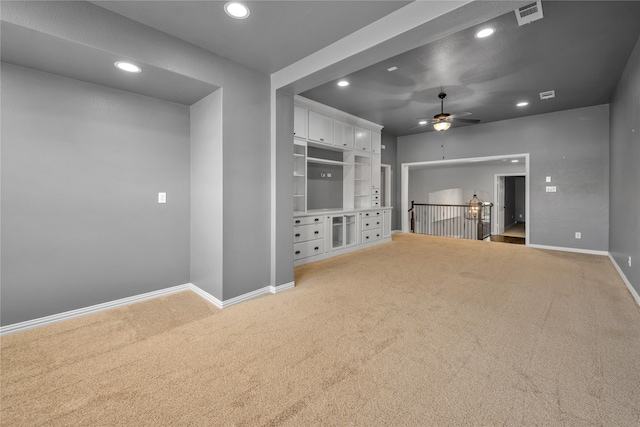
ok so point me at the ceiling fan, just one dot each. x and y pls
(442, 121)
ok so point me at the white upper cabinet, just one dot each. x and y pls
(300, 122)
(376, 143)
(363, 139)
(343, 135)
(320, 128)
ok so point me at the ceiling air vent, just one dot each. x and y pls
(548, 94)
(529, 13)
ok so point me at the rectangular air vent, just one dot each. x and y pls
(548, 94)
(529, 13)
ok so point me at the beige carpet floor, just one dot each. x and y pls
(420, 331)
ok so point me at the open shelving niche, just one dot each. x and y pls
(356, 173)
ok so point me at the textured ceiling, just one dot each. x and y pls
(578, 49)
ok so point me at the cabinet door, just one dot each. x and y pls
(376, 143)
(320, 128)
(363, 139)
(376, 165)
(386, 227)
(299, 122)
(343, 134)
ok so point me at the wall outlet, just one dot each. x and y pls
(328, 174)
(322, 174)
(578, 235)
(629, 261)
(162, 197)
(551, 189)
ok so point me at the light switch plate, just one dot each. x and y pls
(578, 235)
(162, 197)
(551, 189)
(548, 179)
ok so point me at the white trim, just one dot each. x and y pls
(626, 281)
(245, 297)
(43, 321)
(283, 287)
(404, 181)
(576, 250)
(206, 295)
(67, 315)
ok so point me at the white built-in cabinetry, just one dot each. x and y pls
(331, 139)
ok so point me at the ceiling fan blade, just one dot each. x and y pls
(419, 126)
(461, 114)
(471, 121)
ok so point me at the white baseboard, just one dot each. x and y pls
(43, 321)
(283, 287)
(626, 281)
(576, 250)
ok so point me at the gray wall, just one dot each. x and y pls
(509, 201)
(390, 157)
(624, 233)
(570, 146)
(246, 188)
(82, 166)
(520, 201)
(472, 176)
(206, 193)
(281, 254)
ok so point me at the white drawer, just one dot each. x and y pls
(303, 233)
(375, 197)
(371, 235)
(375, 191)
(375, 203)
(371, 223)
(371, 214)
(304, 220)
(307, 249)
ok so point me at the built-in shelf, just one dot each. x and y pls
(326, 161)
(298, 174)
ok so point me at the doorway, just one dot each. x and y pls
(404, 219)
(511, 208)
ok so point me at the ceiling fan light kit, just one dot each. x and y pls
(441, 126)
(442, 121)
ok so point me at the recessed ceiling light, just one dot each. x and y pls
(522, 104)
(485, 32)
(236, 10)
(515, 161)
(343, 83)
(128, 66)
(392, 68)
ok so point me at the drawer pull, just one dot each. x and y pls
(367, 214)
(316, 232)
(378, 223)
(377, 235)
(367, 224)
(297, 252)
(297, 234)
(366, 237)
(317, 219)
(297, 221)
(316, 248)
